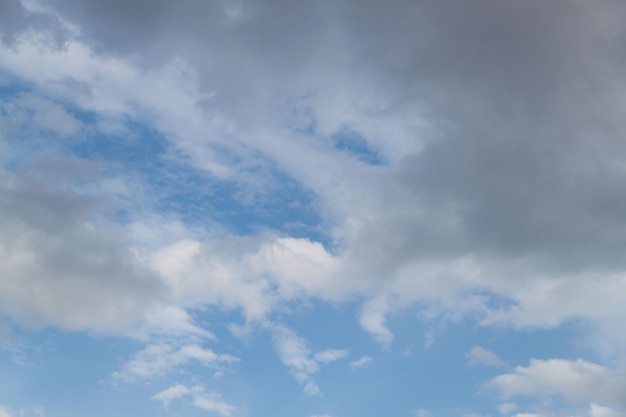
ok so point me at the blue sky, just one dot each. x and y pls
(312, 209)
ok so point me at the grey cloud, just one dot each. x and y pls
(58, 265)
(528, 146)
(519, 166)
(15, 19)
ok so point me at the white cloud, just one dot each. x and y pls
(597, 410)
(215, 272)
(162, 358)
(208, 401)
(213, 402)
(423, 413)
(372, 319)
(36, 411)
(481, 356)
(175, 392)
(330, 355)
(42, 116)
(363, 361)
(167, 321)
(455, 185)
(483, 193)
(506, 408)
(295, 354)
(573, 380)
(253, 274)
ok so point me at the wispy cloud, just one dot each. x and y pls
(330, 355)
(480, 356)
(294, 353)
(208, 401)
(362, 362)
(160, 359)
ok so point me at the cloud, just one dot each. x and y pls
(207, 401)
(55, 247)
(37, 411)
(575, 381)
(372, 319)
(500, 145)
(475, 170)
(31, 114)
(295, 354)
(213, 402)
(329, 355)
(360, 363)
(160, 359)
(254, 274)
(169, 322)
(481, 356)
(596, 410)
(174, 392)
(506, 408)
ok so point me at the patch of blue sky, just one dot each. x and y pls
(301, 119)
(10, 84)
(417, 374)
(427, 364)
(195, 195)
(69, 372)
(354, 143)
(54, 361)
(173, 184)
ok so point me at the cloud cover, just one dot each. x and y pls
(491, 160)
(463, 155)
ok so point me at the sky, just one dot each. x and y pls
(330, 208)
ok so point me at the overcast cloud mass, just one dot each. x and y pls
(312, 208)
